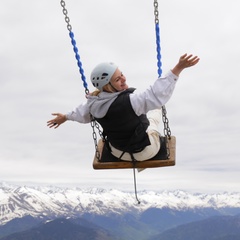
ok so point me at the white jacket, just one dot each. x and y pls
(154, 97)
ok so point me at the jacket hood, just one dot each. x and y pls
(99, 105)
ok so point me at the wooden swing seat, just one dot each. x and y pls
(108, 161)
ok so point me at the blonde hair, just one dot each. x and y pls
(107, 88)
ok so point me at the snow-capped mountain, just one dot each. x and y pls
(20, 201)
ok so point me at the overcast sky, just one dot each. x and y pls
(39, 75)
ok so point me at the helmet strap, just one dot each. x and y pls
(113, 86)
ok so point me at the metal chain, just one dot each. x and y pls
(94, 124)
(156, 11)
(167, 131)
(75, 49)
(65, 13)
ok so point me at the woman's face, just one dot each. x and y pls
(118, 81)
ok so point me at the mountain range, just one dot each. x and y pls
(214, 228)
(112, 214)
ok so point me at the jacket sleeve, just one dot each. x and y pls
(155, 96)
(80, 114)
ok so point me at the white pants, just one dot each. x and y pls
(150, 151)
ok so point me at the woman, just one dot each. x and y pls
(130, 121)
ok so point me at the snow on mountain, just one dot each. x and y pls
(19, 201)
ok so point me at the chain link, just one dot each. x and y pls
(167, 131)
(156, 13)
(65, 13)
(95, 125)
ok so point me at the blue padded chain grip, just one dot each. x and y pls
(79, 63)
(159, 63)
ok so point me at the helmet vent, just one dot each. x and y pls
(104, 75)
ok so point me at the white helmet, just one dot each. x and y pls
(102, 73)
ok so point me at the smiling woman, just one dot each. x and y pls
(130, 120)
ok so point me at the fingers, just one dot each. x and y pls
(188, 57)
(189, 60)
(184, 56)
(193, 61)
(56, 114)
(54, 122)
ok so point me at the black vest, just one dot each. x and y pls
(122, 127)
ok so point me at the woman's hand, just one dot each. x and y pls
(185, 61)
(57, 121)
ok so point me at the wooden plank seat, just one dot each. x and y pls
(108, 161)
